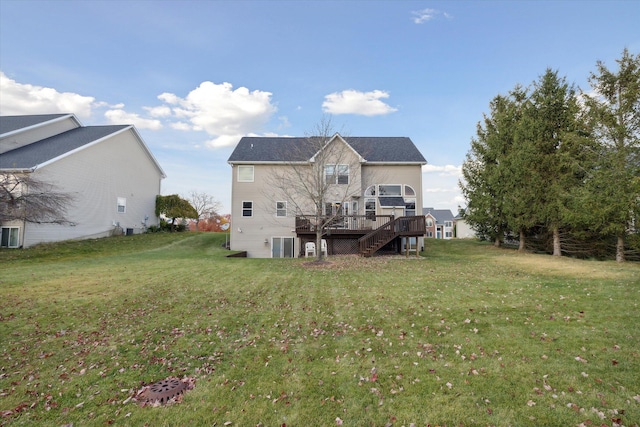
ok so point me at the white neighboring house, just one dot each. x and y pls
(109, 172)
(383, 176)
(463, 229)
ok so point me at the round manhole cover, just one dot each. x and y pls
(166, 391)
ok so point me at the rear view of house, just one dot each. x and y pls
(109, 173)
(371, 191)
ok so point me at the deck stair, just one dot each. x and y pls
(403, 226)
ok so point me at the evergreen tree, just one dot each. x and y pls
(485, 174)
(614, 186)
(552, 126)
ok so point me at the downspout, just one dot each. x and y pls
(24, 233)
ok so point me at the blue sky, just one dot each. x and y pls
(195, 76)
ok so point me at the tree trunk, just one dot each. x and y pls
(620, 248)
(497, 242)
(557, 249)
(521, 246)
(319, 254)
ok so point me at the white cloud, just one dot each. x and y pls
(446, 170)
(222, 112)
(122, 117)
(161, 111)
(18, 98)
(181, 126)
(440, 187)
(355, 102)
(424, 15)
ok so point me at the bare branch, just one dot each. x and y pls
(26, 198)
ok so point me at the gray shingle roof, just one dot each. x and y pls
(441, 215)
(47, 149)
(11, 123)
(292, 149)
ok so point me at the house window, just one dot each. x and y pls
(247, 208)
(281, 208)
(282, 247)
(429, 233)
(122, 204)
(409, 207)
(390, 190)
(429, 222)
(336, 174)
(370, 191)
(370, 208)
(448, 234)
(9, 237)
(409, 191)
(448, 224)
(245, 173)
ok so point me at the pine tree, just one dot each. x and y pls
(614, 186)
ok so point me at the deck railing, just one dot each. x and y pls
(342, 223)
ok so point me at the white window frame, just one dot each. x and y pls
(392, 194)
(370, 214)
(248, 174)
(409, 191)
(248, 208)
(281, 209)
(282, 249)
(334, 174)
(121, 205)
(9, 233)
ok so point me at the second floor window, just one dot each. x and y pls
(247, 208)
(448, 224)
(245, 173)
(122, 205)
(336, 174)
(281, 208)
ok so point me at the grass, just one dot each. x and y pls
(464, 335)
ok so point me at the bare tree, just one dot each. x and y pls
(206, 206)
(26, 198)
(323, 174)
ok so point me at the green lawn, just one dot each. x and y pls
(464, 335)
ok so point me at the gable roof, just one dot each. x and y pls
(440, 215)
(48, 149)
(302, 149)
(9, 124)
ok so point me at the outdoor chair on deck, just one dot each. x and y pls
(309, 248)
(323, 247)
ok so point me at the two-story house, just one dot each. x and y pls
(108, 173)
(439, 223)
(369, 189)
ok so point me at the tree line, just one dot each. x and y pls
(557, 169)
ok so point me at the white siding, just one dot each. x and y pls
(96, 176)
(249, 233)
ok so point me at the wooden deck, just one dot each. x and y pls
(361, 234)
